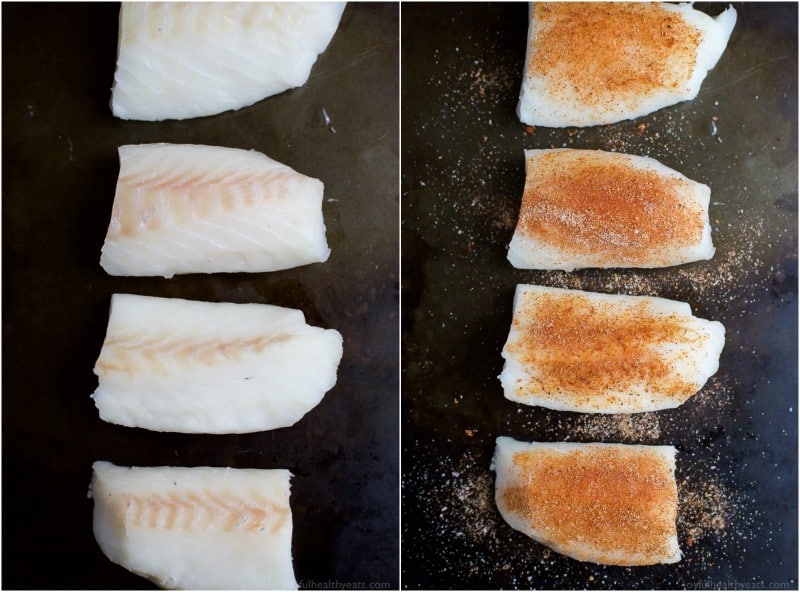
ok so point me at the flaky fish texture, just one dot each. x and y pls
(186, 208)
(174, 365)
(572, 350)
(592, 208)
(201, 528)
(594, 63)
(612, 504)
(178, 60)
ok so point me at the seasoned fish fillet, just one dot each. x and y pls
(175, 365)
(593, 63)
(599, 353)
(196, 528)
(590, 208)
(614, 504)
(177, 60)
(182, 208)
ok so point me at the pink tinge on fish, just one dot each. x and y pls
(196, 528)
(178, 60)
(176, 365)
(183, 208)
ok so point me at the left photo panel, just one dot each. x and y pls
(200, 220)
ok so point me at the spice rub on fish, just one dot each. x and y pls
(591, 208)
(572, 350)
(174, 365)
(185, 208)
(594, 63)
(613, 504)
(178, 60)
(196, 528)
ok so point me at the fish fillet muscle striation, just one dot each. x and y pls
(198, 527)
(184, 208)
(176, 365)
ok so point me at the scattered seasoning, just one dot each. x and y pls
(639, 428)
(462, 204)
(705, 509)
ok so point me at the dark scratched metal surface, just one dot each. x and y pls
(59, 173)
(462, 179)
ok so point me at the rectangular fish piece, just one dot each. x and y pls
(614, 504)
(591, 208)
(572, 350)
(176, 365)
(185, 208)
(595, 63)
(207, 528)
(178, 60)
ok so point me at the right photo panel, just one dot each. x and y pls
(599, 295)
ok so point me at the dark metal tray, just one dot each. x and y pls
(59, 172)
(462, 179)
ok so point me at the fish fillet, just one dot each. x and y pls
(183, 208)
(196, 528)
(614, 504)
(591, 208)
(175, 365)
(571, 350)
(594, 63)
(177, 60)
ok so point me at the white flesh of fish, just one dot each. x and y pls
(595, 63)
(196, 528)
(176, 365)
(183, 208)
(177, 60)
(572, 350)
(613, 504)
(592, 208)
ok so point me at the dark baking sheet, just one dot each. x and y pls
(59, 173)
(462, 179)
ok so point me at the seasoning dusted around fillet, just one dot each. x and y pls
(613, 504)
(571, 350)
(196, 528)
(590, 208)
(176, 365)
(593, 63)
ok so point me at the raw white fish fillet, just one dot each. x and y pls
(594, 63)
(177, 60)
(202, 528)
(175, 365)
(572, 350)
(591, 208)
(613, 504)
(185, 208)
